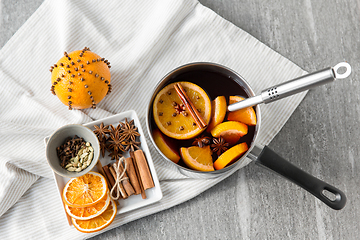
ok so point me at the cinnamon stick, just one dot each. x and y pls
(108, 175)
(127, 185)
(130, 169)
(142, 191)
(109, 179)
(101, 171)
(146, 178)
(122, 189)
(203, 123)
(190, 106)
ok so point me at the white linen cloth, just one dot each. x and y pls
(143, 40)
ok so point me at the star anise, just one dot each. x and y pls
(219, 145)
(115, 130)
(129, 131)
(115, 155)
(202, 141)
(133, 145)
(130, 145)
(101, 131)
(117, 140)
(115, 145)
(102, 142)
(180, 108)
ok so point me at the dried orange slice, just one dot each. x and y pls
(97, 223)
(172, 117)
(85, 191)
(87, 213)
(230, 156)
(218, 111)
(197, 158)
(166, 146)
(231, 131)
(245, 115)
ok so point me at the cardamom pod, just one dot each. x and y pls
(88, 162)
(91, 155)
(71, 169)
(69, 165)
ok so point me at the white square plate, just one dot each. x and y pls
(135, 201)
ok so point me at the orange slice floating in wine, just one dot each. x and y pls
(171, 115)
(197, 158)
(218, 112)
(230, 156)
(245, 115)
(166, 146)
(231, 131)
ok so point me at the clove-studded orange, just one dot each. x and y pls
(81, 79)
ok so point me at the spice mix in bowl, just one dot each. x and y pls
(72, 150)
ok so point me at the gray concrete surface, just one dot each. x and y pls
(321, 137)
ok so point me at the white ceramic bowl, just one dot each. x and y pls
(58, 138)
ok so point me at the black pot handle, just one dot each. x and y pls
(313, 185)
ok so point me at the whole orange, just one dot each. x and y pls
(81, 79)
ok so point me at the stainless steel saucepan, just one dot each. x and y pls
(262, 155)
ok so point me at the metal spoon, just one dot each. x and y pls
(294, 86)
